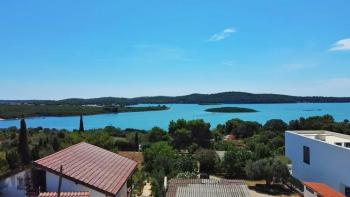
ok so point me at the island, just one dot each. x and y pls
(8, 111)
(230, 110)
(203, 99)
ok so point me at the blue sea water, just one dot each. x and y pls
(147, 120)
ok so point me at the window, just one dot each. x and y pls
(347, 191)
(306, 155)
(347, 144)
(338, 143)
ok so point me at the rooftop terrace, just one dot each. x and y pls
(325, 136)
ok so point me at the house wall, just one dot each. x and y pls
(329, 163)
(69, 186)
(307, 193)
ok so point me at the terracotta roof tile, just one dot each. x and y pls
(323, 189)
(90, 165)
(65, 194)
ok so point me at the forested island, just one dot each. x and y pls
(10, 111)
(230, 110)
(218, 98)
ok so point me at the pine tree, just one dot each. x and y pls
(23, 148)
(81, 126)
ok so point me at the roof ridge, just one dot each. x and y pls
(112, 152)
(69, 147)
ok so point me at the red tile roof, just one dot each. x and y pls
(90, 165)
(323, 189)
(229, 137)
(65, 194)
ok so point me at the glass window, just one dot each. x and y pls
(347, 191)
(306, 155)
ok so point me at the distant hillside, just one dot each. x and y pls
(224, 97)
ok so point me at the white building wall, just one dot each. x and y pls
(329, 163)
(307, 193)
(70, 186)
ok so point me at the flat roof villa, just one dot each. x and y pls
(320, 156)
(87, 168)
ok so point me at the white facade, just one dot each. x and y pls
(308, 193)
(71, 186)
(328, 163)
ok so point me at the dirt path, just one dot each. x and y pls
(147, 189)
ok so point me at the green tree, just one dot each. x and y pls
(23, 147)
(181, 138)
(208, 161)
(160, 156)
(200, 132)
(136, 141)
(240, 128)
(271, 170)
(186, 163)
(156, 134)
(276, 125)
(35, 152)
(12, 159)
(81, 125)
(179, 124)
(234, 162)
(186, 175)
(55, 144)
(158, 189)
(261, 151)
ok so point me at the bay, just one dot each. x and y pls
(147, 120)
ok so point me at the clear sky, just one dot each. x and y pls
(65, 48)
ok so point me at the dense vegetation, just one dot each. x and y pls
(230, 110)
(224, 97)
(8, 111)
(256, 153)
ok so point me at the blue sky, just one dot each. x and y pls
(60, 49)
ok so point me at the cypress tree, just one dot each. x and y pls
(23, 148)
(136, 141)
(81, 126)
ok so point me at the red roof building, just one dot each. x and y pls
(87, 168)
(320, 190)
(229, 137)
(65, 194)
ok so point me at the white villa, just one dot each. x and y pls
(320, 156)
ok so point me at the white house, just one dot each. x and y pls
(320, 156)
(87, 168)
